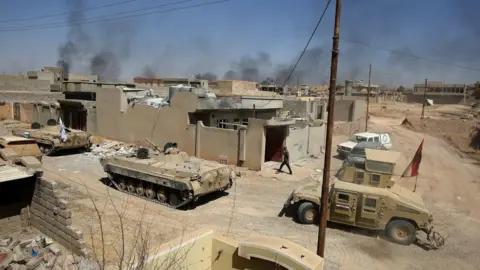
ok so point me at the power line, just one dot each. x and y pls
(303, 52)
(411, 55)
(66, 13)
(103, 19)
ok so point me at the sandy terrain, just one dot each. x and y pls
(448, 183)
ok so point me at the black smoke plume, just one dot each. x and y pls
(105, 57)
(148, 72)
(210, 76)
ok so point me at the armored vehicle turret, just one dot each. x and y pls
(366, 196)
(167, 176)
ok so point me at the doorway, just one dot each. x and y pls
(274, 138)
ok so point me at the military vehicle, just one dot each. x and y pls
(166, 176)
(49, 138)
(367, 197)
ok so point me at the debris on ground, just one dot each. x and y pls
(110, 148)
(30, 251)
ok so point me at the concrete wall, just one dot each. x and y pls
(6, 111)
(51, 215)
(349, 110)
(206, 249)
(30, 96)
(134, 123)
(235, 87)
(22, 83)
(308, 109)
(411, 98)
(305, 140)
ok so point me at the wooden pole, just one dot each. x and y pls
(322, 228)
(424, 98)
(368, 96)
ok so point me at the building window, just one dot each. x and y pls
(245, 121)
(236, 121)
(221, 123)
(375, 179)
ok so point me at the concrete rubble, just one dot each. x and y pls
(29, 252)
(110, 148)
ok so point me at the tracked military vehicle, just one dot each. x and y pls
(49, 137)
(365, 195)
(166, 176)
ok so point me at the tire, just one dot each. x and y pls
(307, 213)
(401, 232)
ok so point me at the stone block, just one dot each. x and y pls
(76, 233)
(62, 204)
(55, 249)
(47, 191)
(5, 241)
(63, 221)
(62, 213)
(48, 183)
(46, 197)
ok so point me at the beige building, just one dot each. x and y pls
(439, 92)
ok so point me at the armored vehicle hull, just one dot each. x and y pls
(49, 138)
(172, 180)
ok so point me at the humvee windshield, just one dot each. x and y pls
(339, 173)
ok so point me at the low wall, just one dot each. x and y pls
(436, 99)
(14, 204)
(51, 216)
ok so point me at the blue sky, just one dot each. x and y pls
(215, 37)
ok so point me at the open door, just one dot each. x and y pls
(344, 207)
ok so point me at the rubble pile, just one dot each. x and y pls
(34, 252)
(110, 148)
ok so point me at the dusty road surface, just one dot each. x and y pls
(449, 184)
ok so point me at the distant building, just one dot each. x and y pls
(439, 92)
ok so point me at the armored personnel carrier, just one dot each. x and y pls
(166, 176)
(49, 138)
(365, 195)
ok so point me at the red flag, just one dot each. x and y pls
(412, 169)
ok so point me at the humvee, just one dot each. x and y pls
(49, 138)
(365, 195)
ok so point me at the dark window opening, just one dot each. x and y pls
(343, 198)
(369, 202)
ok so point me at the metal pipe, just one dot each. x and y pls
(328, 144)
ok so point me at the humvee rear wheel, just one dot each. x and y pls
(131, 187)
(140, 190)
(150, 193)
(401, 232)
(173, 199)
(122, 185)
(307, 213)
(161, 196)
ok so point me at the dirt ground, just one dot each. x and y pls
(448, 182)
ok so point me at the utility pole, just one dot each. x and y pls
(424, 98)
(464, 94)
(322, 228)
(368, 96)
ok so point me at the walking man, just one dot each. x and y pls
(286, 160)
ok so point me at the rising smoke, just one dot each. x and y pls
(80, 54)
(261, 69)
(210, 76)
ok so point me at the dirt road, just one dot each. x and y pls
(449, 184)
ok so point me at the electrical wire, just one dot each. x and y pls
(410, 55)
(301, 55)
(66, 13)
(103, 19)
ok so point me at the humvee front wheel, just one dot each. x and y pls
(46, 149)
(307, 213)
(401, 232)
